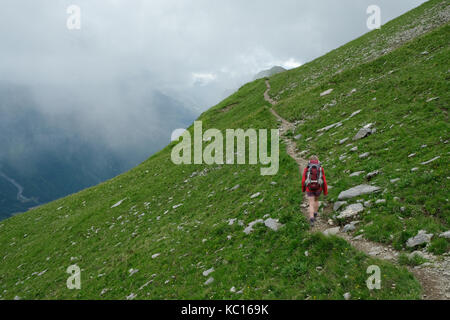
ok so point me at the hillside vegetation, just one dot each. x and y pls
(162, 231)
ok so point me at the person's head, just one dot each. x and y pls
(314, 159)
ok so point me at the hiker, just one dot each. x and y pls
(313, 183)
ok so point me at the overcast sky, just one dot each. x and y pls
(194, 50)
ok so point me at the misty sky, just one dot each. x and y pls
(196, 51)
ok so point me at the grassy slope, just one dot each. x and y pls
(392, 92)
(106, 242)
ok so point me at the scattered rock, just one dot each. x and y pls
(249, 228)
(338, 205)
(343, 141)
(394, 180)
(207, 272)
(357, 191)
(209, 281)
(235, 187)
(349, 228)
(364, 155)
(118, 203)
(355, 113)
(131, 296)
(331, 126)
(363, 133)
(255, 195)
(380, 201)
(368, 203)
(430, 161)
(327, 92)
(332, 231)
(359, 237)
(421, 238)
(356, 174)
(273, 224)
(351, 211)
(445, 234)
(372, 174)
(156, 255)
(298, 137)
(347, 296)
(414, 169)
(233, 289)
(132, 271)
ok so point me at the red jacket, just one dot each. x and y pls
(324, 186)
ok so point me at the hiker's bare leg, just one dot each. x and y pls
(311, 208)
(316, 204)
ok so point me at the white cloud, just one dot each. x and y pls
(203, 79)
(291, 64)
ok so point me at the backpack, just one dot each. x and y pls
(314, 180)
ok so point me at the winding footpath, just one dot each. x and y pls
(433, 277)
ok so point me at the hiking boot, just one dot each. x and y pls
(311, 222)
(315, 215)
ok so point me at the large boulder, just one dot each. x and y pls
(421, 238)
(357, 191)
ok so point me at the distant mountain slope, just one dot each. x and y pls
(162, 231)
(270, 72)
(52, 155)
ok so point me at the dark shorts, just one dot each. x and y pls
(314, 193)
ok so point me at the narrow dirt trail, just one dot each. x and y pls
(434, 278)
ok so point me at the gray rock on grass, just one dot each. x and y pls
(372, 174)
(249, 228)
(351, 211)
(327, 92)
(356, 174)
(364, 155)
(363, 133)
(445, 234)
(357, 191)
(208, 272)
(422, 237)
(338, 205)
(349, 227)
(273, 224)
(332, 231)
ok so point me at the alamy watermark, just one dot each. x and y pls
(74, 19)
(74, 281)
(374, 20)
(236, 139)
(374, 281)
